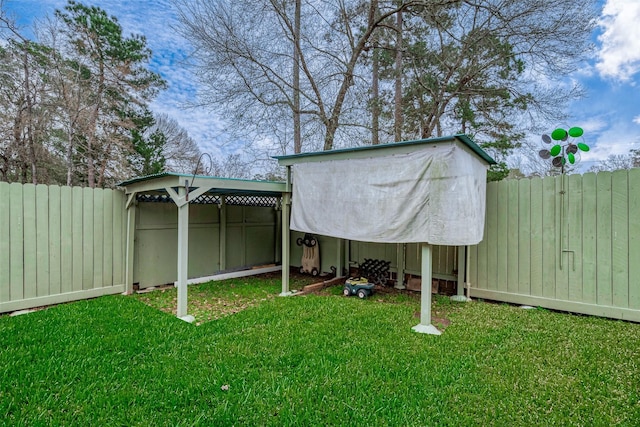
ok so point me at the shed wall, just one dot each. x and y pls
(250, 240)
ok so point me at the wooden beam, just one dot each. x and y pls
(154, 184)
(131, 198)
(237, 184)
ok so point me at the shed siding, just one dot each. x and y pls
(250, 240)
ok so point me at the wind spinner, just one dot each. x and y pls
(566, 148)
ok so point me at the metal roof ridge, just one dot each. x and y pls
(465, 139)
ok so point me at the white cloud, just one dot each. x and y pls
(619, 56)
(636, 120)
(617, 139)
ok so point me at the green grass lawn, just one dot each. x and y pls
(314, 360)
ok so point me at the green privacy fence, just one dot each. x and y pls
(59, 244)
(568, 243)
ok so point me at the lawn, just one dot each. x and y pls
(314, 360)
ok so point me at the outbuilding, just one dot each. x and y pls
(429, 191)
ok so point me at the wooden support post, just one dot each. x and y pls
(131, 232)
(347, 255)
(400, 248)
(286, 200)
(183, 256)
(277, 257)
(339, 247)
(462, 270)
(425, 326)
(223, 233)
(286, 237)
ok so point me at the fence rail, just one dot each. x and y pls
(569, 243)
(59, 244)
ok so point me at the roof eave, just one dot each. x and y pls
(404, 146)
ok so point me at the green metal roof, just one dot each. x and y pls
(182, 175)
(291, 159)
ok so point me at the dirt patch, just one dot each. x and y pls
(439, 322)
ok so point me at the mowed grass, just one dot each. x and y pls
(316, 360)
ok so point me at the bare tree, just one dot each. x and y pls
(244, 52)
(397, 100)
(180, 150)
(26, 92)
(614, 162)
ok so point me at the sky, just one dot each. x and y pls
(609, 114)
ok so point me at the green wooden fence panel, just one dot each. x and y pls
(107, 238)
(76, 233)
(574, 244)
(503, 238)
(54, 239)
(589, 239)
(603, 239)
(5, 240)
(550, 245)
(16, 238)
(86, 231)
(512, 234)
(98, 237)
(492, 236)
(66, 240)
(536, 237)
(561, 288)
(42, 240)
(478, 260)
(634, 239)
(30, 241)
(620, 235)
(523, 236)
(57, 244)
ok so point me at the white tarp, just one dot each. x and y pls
(434, 195)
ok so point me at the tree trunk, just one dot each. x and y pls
(297, 139)
(375, 80)
(398, 84)
(29, 104)
(93, 129)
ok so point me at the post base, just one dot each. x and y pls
(188, 318)
(426, 329)
(287, 294)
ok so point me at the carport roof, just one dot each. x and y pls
(217, 185)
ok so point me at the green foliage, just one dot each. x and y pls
(317, 360)
(148, 158)
(497, 172)
(65, 101)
